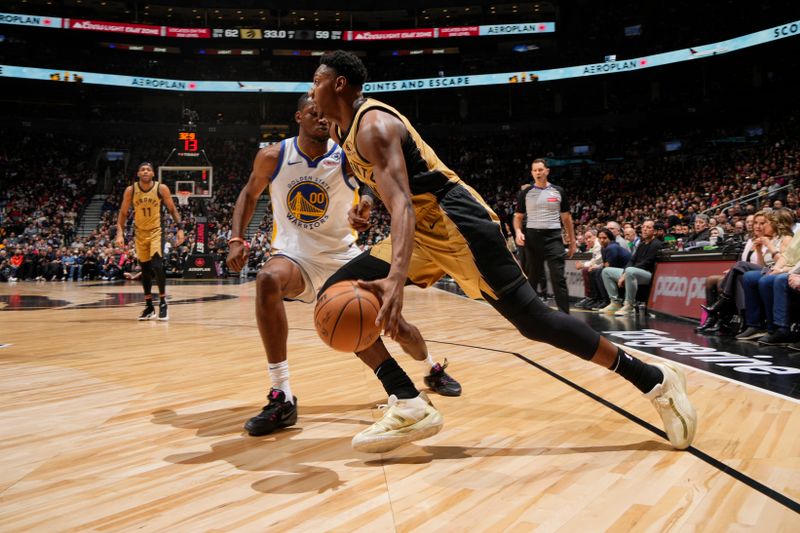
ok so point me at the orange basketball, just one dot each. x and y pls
(345, 317)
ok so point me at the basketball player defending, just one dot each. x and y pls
(312, 200)
(147, 197)
(439, 225)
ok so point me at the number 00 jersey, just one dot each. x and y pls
(310, 201)
(146, 207)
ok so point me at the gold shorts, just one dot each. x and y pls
(459, 235)
(148, 243)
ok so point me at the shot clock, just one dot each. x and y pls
(188, 144)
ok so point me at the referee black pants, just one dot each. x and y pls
(546, 245)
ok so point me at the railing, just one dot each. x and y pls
(753, 196)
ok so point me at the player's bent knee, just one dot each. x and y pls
(268, 283)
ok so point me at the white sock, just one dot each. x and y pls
(279, 374)
(428, 363)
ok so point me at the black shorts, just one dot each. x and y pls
(455, 234)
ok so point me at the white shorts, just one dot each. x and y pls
(317, 269)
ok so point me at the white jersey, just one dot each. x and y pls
(310, 201)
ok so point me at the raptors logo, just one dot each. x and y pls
(307, 202)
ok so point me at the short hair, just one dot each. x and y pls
(592, 231)
(614, 224)
(540, 160)
(303, 101)
(143, 163)
(607, 233)
(347, 65)
(702, 217)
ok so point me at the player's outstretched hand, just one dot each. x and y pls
(120, 240)
(237, 256)
(358, 216)
(520, 239)
(390, 293)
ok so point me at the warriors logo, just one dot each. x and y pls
(307, 201)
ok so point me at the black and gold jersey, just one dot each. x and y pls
(426, 172)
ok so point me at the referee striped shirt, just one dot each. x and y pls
(543, 206)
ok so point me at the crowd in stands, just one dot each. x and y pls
(672, 191)
(691, 198)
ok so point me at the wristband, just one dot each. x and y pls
(238, 239)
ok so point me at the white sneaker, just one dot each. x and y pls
(404, 421)
(610, 309)
(626, 310)
(673, 404)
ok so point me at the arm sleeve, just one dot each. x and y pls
(611, 255)
(597, 256)
(646, 258)
(564, 202)
(521, 202)
(623, 255)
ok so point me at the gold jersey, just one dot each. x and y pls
(427, 175)
(146, 207)
(455, 233)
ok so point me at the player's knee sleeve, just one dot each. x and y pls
(156, 264)
(538, 322)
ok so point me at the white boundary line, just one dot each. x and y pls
(684, 365)
(725, 378)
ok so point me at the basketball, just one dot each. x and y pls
(345, 317)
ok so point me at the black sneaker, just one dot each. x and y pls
(149, 312)
(777, 338)
(278, 413)
(162, 310)
(440, 382)
(750, 334)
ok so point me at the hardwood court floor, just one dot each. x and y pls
(109, 424)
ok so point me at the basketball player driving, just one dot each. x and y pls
(440, 225)
(313, 198)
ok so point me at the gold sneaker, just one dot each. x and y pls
(404, 421)
(673, 404)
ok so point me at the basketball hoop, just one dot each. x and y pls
(183, 197)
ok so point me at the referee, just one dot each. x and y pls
(546, 208)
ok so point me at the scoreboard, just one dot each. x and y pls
(188, 144)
